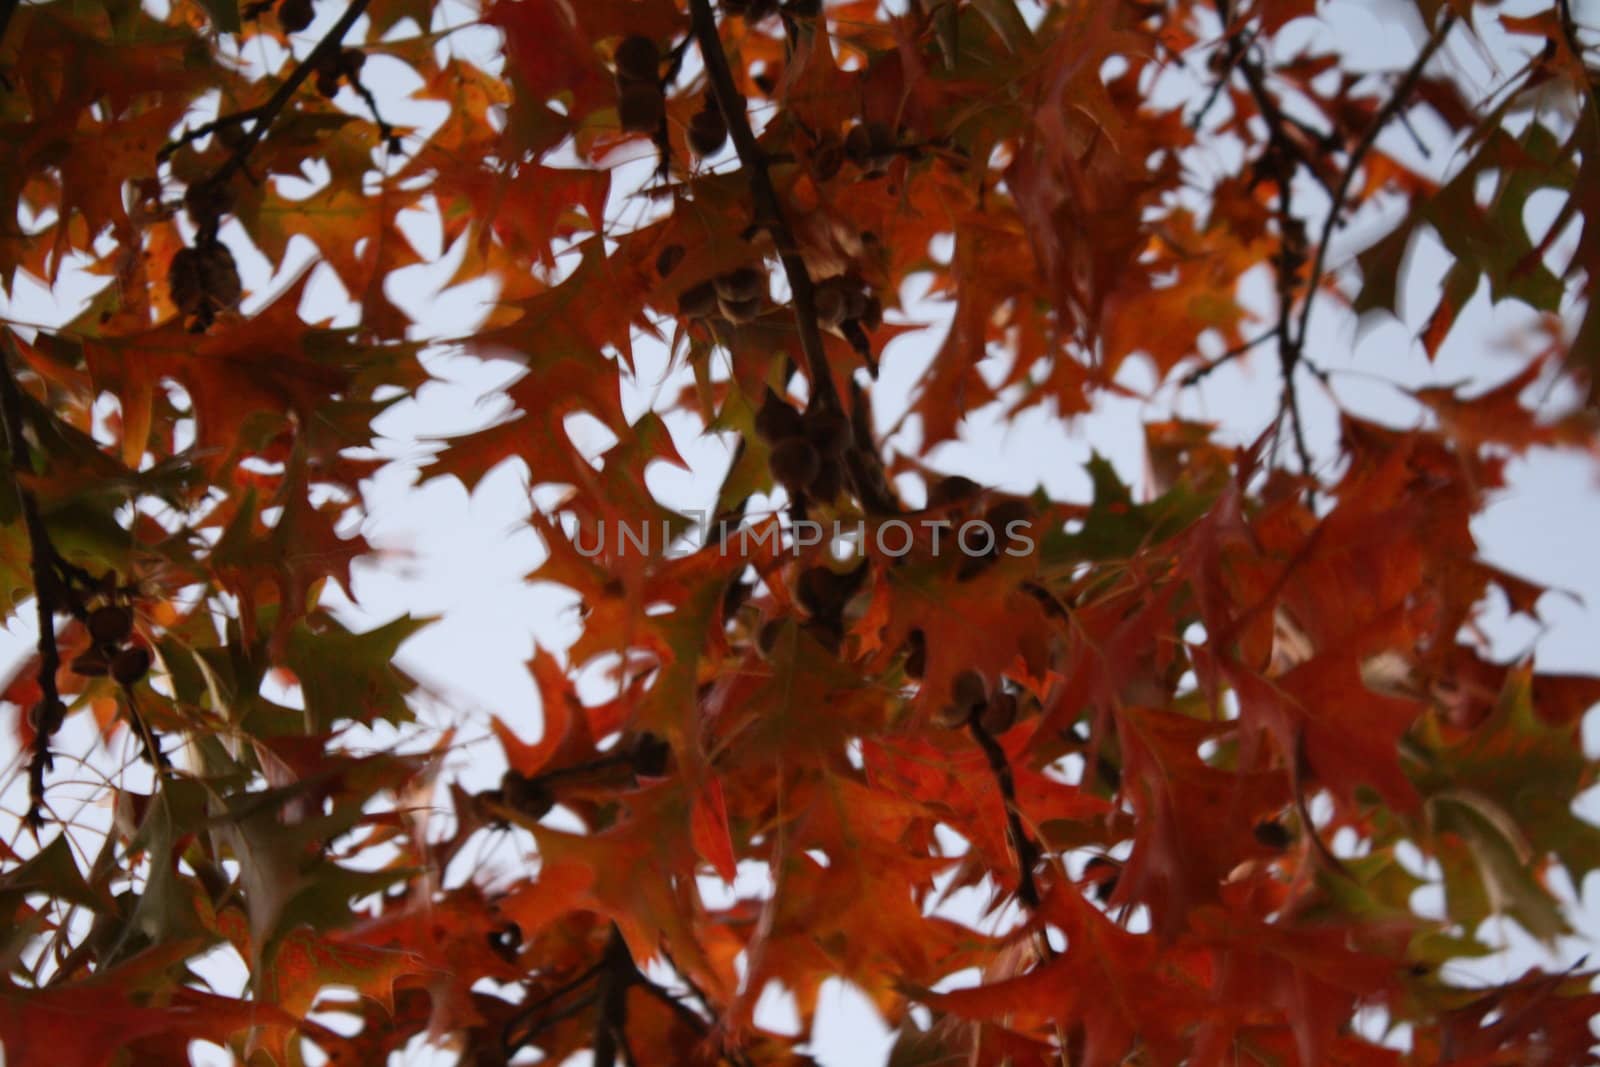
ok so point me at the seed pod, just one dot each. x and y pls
(91, 664)
(952, 490)
(668, 260)
(351, 60)
(130, 665)
(638, 60)
(207, 202)
(328, 82)
(708, 132)
(640, 108)
(828, 483)
(831, 304)
(828, 430)
(794, 463)
(740, 311)
(651, 755)
(44, 719)
(110, 624)
(219, 276)
(295, 15)
(871, 313)
(527, 795)
(743, 283)
(697, 301)
(1000, 714)
(969, 691)
(757, 10)
(802, 9)
(777, 420)
(183, 281)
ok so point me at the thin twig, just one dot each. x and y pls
(1199, 374)
(1358, 154)
(1023, 845)
(769, 210)
(221, 122)
(611, 1025)
(268, 112)
(46, 587)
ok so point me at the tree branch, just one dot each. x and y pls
(47, 715)
(1358, 154)
(1023, 845)
(769, 210)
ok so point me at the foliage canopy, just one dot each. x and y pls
(1139, 740)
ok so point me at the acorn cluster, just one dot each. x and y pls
(643, 755)
(807, 451)
(295, 15)
(844, 305)
(203, 281)
(641, 101)
(972, 700)
(112, 651)
(738, 295)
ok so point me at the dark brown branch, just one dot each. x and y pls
(267, 113)
(1358, 155)
(1023, 845)
(221, 122)
(769, 210)
(1199, 374)
(617, 973)
(47, 716)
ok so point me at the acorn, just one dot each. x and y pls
(207, 202)
(777, 420)
(183, 281)
(220, 276)
(527, 795)
(757, 10)
(1000, 714)
(871, 312)
(130, 665)
(697, 301)
(828, 430)
(638, 60)
(952, 489)
(828, 482)
(869, 145)
(802, 9)
(794, 463)
(968, 691)
(110, 625)
(295, 15)
(740, 311)
(708, 131)
(640, 108)
(742, 283)
(669, 258)
(831, 304)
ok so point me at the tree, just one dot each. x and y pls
(1183, 737)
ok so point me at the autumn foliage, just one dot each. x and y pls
(1195, 750)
